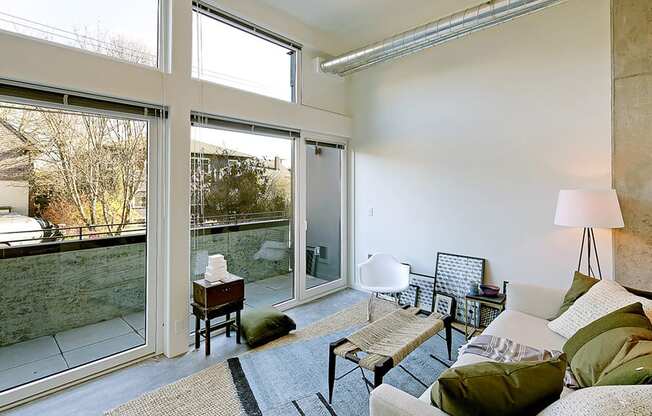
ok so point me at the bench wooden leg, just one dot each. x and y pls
(381, 369)
(448, 321)
(331, 371)
(331, 366)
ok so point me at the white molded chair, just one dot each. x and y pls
(382, 273)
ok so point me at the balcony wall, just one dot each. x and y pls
(239, 244)
(53, 287)
(76, 283)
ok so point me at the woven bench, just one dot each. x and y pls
(383, 344)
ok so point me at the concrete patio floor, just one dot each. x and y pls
(41, 357)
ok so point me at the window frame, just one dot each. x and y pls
(253, 29)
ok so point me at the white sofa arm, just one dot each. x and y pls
(539, 301)
(386, 400)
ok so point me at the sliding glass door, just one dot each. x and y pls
(242, 196)
(325, 215)
(78, 222)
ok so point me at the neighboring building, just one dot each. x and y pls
(206, 159)
(15, 168)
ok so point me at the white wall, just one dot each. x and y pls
(462, 148)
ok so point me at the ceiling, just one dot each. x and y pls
(356, 23)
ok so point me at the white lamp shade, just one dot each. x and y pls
(588, 208)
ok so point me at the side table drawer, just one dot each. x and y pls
(219, 294)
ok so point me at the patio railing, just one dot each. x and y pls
(95, 231)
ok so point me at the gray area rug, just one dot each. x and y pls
(292, 380)
(289, 377)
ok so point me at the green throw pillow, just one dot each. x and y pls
(581, 284)
(260, 326)
(489, 388)
(607, 343)
(636, 371)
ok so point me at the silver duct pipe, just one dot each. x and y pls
(471, 20)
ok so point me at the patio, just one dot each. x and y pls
(31, 360)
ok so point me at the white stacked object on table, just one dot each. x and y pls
(216, 270)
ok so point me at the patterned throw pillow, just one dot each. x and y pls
(604, 401)
(603, 298)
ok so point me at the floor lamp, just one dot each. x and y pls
(589, 209)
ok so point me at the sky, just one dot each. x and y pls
(261, 66)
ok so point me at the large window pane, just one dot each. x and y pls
(323, 214)
(242, 209)
(123, 29)
(73, 198)
(227, 55)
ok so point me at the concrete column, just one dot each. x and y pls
(632, 141)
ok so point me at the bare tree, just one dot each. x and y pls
(116, 46)
(87, 169)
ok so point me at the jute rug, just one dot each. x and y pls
(222, 389)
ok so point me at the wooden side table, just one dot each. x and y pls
(496, 302)
(212, 300)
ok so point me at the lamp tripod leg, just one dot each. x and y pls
(588, 238)
(579, 261)
(595, 249)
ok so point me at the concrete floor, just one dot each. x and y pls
(106, 392)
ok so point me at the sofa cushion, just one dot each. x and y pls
(519, 327)
(581, 284)
(604, 297)
(463, 391)
(630, 372)
(599, 401)
(608, 342)
(542, 302)
(630, 316)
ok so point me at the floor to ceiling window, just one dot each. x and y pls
(239, 54)
(77, 281)
(324, 211)
(242, 193)
(122, 29)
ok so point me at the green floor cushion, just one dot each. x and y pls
(490, 388)
(260, 326)
(581, 284)
(607, 343)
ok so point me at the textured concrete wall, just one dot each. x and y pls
(632, 72)
(240, 248)
(49, 293)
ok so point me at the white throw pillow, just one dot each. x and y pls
(603, 298)
(604, 401)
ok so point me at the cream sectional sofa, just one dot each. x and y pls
(525, 321)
